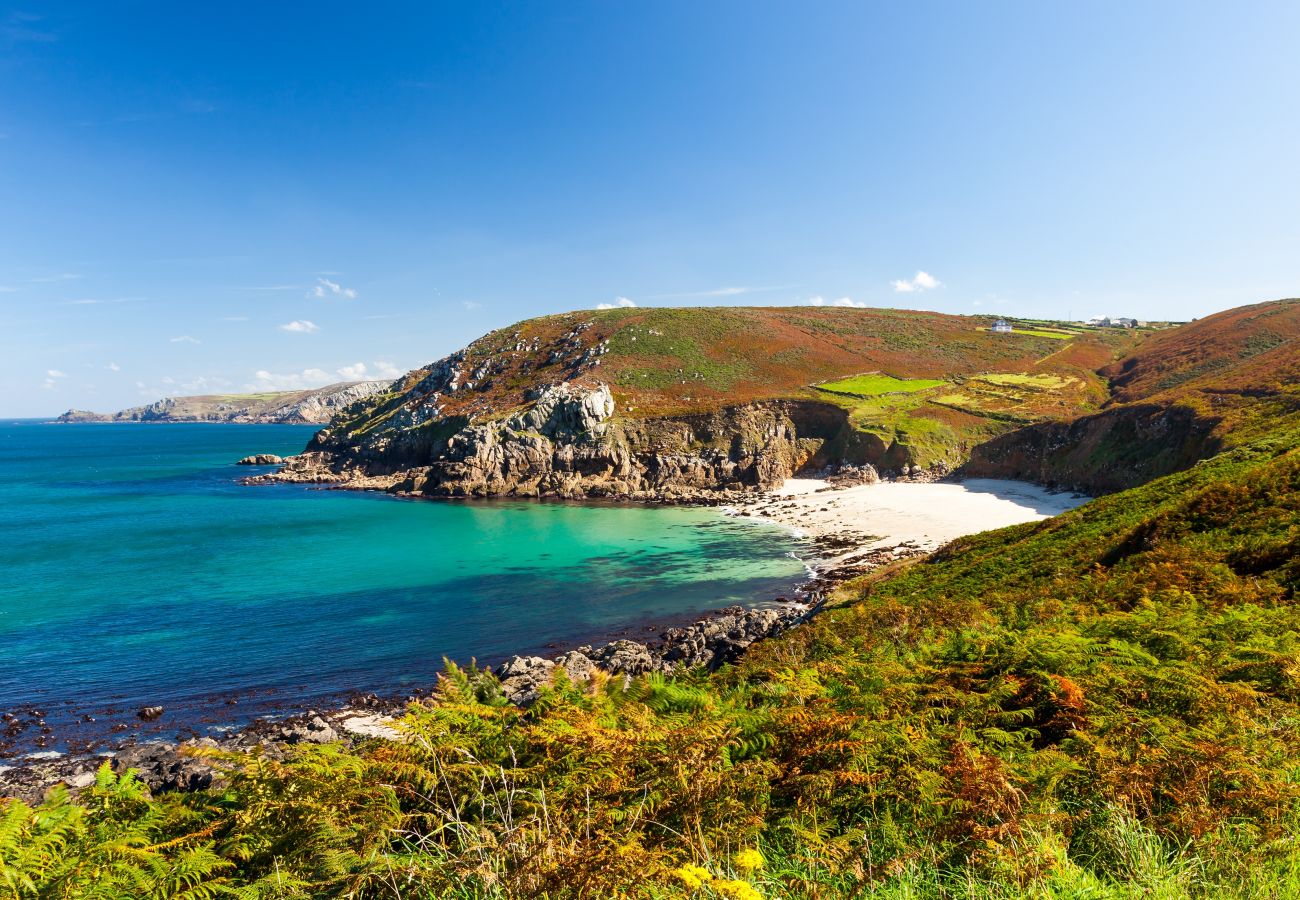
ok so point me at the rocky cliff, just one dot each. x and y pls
(312, 407)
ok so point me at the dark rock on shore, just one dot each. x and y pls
(710, 642)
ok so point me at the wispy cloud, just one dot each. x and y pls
(387, 370)
(5, 289)
(471, 304)
(50, 279)
(619, 302)
(847, 302)
(326, 288)
(300, 326)
(113, 367)
(97, 301)
(921, 281)
(21, 27)
(185, 339)
(726, 291)
(234, 318)
(273, 287)
(52, 377)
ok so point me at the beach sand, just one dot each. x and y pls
(860, 527)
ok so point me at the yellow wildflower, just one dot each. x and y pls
(749, 860)
(693, 875)
(736, 890)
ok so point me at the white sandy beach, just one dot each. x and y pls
(865, 519)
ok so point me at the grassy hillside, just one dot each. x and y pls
(1180, 395)
(1102, 705)
(676, 362)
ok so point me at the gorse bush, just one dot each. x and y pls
(1102, 705)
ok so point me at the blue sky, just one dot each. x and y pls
(214, 197)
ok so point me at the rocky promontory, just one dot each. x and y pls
(310, 407)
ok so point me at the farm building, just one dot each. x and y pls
(1001, 326)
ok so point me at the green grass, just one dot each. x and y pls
(1042, 382)
(1037, 332)
(875, 384)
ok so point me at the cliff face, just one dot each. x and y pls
(570, 444)
(312, 407)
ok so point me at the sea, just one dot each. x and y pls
(136, 570)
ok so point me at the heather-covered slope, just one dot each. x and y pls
(1182, 395)
(678, 402)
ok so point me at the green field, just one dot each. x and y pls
(875, 384)
(1043, 382)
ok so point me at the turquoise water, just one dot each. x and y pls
(134, 570)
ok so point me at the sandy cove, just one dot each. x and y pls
(861, 527)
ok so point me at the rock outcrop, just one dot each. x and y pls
(569, 443)
(261, 459)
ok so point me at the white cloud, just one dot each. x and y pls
(51, 379)
(185, 339)
(113, 367)
(50, 279)
(300, 326)
(354, 372)
(816, 301)
(921, 281)
(55, 373)
(387, 370)
(326, 288)
(619, 303)
(290, 381)
(471, 304)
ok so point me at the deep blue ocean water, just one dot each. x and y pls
(134, 570)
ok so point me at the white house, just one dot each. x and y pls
(1001, 326)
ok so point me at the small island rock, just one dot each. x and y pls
(261, 459)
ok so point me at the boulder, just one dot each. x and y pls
(163, 767)
(522, 677)
(149, 713)
(261, 459)
(311, 729)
